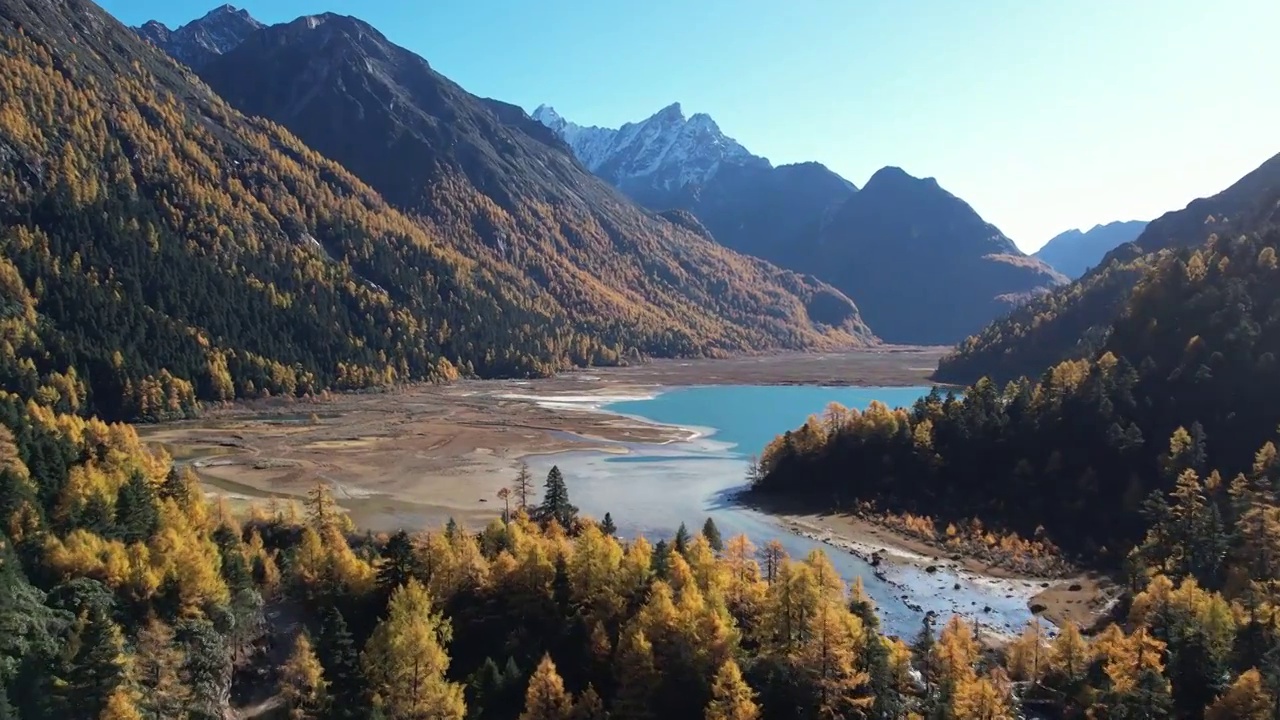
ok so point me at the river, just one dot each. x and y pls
(650, 489)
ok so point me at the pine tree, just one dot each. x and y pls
(398, 564)
(660, 560)
(341, 662)
(97, 517)
(731, 698)
(555, 502)
(7, 710)
(235, 567)
(1069, 655)
(97, 664)
(923, 647)
(1027, 657)
(322, 509)
(208, 669)
(681, 542)
(504, 494)
(829, 657)
(486, 692)
(405, 660)
(136, 514)
(302, 683)
(177, 487)
(712, 534)
(774, 555)
(875, 662)
(546, 698)
(1149, 699)
(607, 526)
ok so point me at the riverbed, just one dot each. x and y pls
(651, 488)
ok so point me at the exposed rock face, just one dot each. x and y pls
(202, 40)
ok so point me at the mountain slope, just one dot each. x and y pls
(499, 185)
(159, 247)
(1073, 252)
(1073, 321)
(1252, 203)
(668, 161)
(201, 40)
(924, 266)
(1077, 454)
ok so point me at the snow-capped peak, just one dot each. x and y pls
(667, 150)
(546, 115)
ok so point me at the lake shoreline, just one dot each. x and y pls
(899, 561)
(418, 455)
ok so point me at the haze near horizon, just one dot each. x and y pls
(1044, 117)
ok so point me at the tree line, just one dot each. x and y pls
(155, 601)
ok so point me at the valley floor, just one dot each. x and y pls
(418, 455)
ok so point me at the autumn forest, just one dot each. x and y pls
(160, 252)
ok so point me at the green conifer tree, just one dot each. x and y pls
(712, 534)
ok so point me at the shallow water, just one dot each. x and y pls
(654, 488)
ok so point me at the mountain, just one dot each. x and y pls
(1073, 252)
(1073, 321)
(161, 248)
(199, 41)
(880, 246)
(1251, 204)
(1182, 386)
(670, 161)
(501, 186)
(926, 268)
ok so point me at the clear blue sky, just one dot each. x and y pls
(1043, 114)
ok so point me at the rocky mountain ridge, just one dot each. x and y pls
(200, 41)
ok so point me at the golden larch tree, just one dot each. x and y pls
(731, 697)
(405, 660)
(1246, 699)
(545, 698)
(302, 683)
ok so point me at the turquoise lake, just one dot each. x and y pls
(650, 489)
(749, 416)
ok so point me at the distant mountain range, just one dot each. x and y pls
(1073, 252)
(922, 265)
(670, 161)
